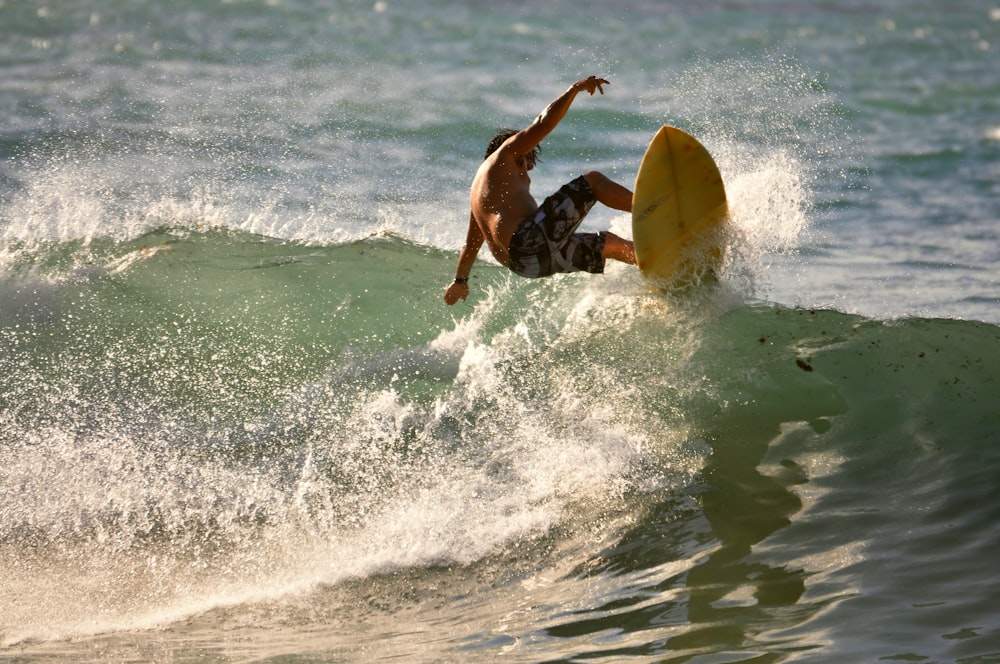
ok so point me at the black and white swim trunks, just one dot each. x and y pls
(546, 243)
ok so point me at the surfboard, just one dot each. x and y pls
(678, 210)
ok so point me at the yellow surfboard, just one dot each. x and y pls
(678, 209)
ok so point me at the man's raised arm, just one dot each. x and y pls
(527, 139)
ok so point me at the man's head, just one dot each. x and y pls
(502, 136)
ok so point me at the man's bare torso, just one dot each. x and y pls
(501, 199)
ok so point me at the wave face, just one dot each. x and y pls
(242, 436)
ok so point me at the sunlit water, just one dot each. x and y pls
(237, 422)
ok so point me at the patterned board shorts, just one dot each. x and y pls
(545, 243)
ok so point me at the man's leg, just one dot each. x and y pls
(609, 192)
(612, 194)
(619, 249)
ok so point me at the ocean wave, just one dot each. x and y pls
(230, 419)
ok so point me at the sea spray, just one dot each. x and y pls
(770, 161)
(219, 457)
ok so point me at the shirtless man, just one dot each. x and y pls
(532, 240)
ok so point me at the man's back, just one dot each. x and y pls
(500, 198)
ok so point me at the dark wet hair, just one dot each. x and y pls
(503, 135)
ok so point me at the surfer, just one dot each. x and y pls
(538, 240)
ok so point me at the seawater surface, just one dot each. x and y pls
(237, 422)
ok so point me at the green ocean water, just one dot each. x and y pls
(237, 422)
(237, 445)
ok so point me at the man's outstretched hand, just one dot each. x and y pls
(455, 293)
(591, 84)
